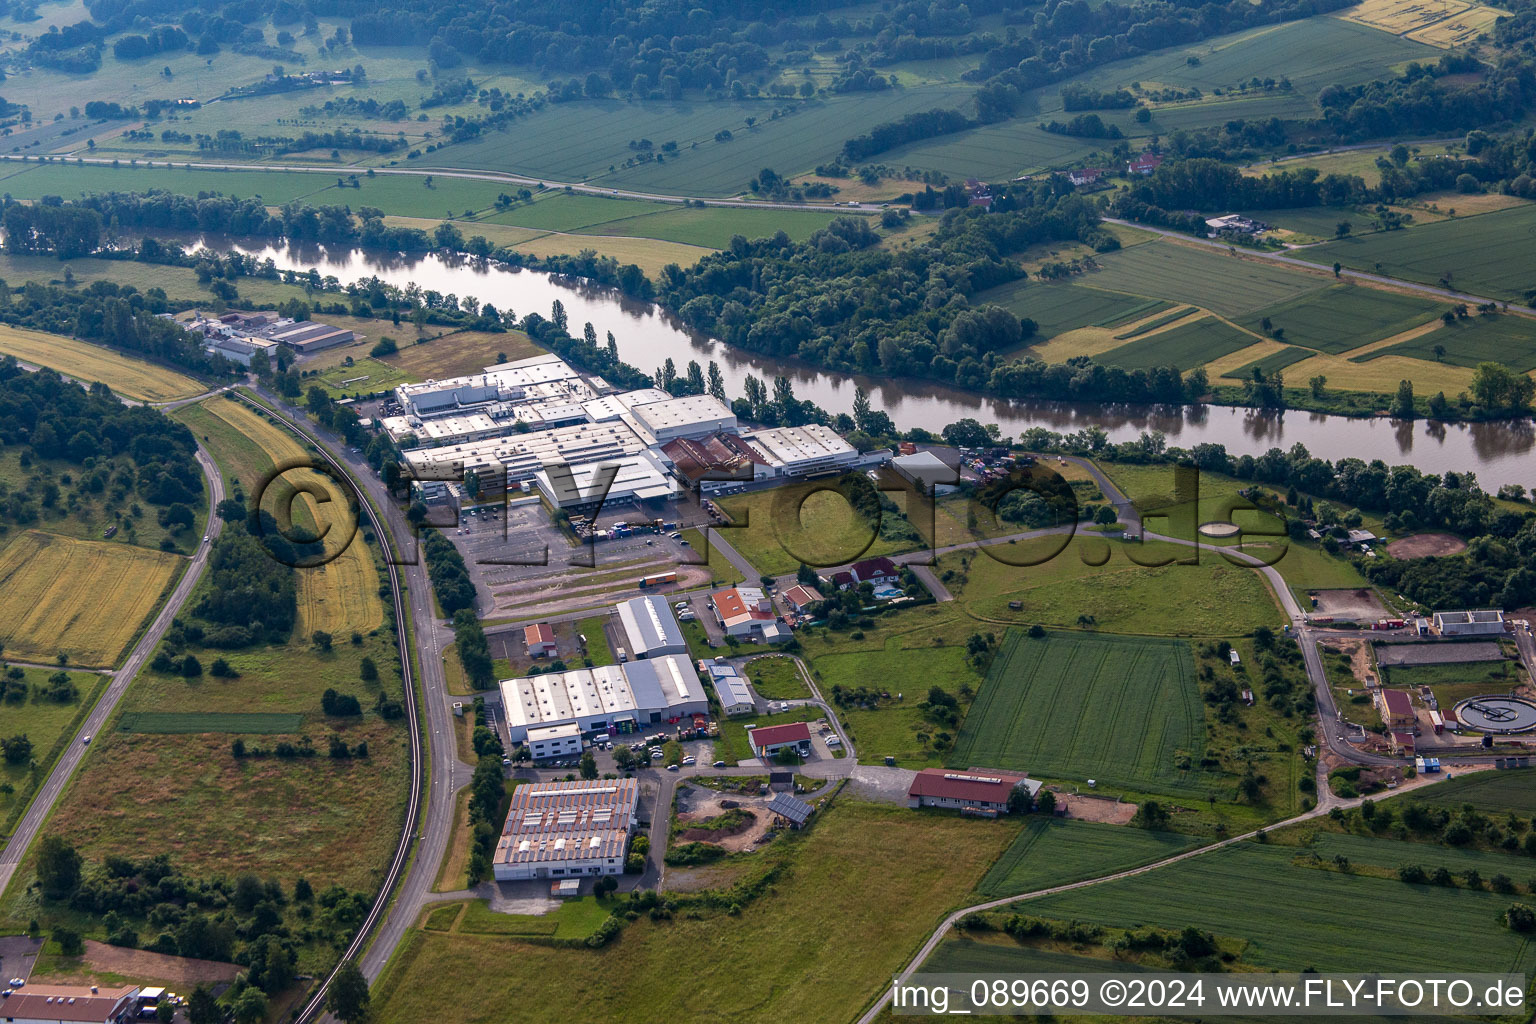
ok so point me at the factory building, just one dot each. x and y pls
(566, 829)
(689, 416)
(650, 628)
(610, 698)
(731, 688)
(803, 451)
(1481, 622)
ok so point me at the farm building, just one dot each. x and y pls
(968, 791)
(929, 473)
(539, 639)
(771, 739)
(609, 698)
(71, 1004)
(1359, 537)
(1085, 176)
(548, 741)
(565, 829)
(1236, 223)
(790, 810)
(745, 612)
(1396, 709)
(1479, 622)
(730, 687)
(650, 628)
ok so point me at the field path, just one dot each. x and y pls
(948, 925)
(69, 759)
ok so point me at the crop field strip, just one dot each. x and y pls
(179, 723)
(1062, 307)
(1271, 364)
(128, 376)
(1155, 323)
(1226, 285)
(1502, 338)
(1115, 709)
(1295, 916)
(1344, 317)
(1185, 346)
(342, 594)
(83, 598)
(1487, 254)
(1051, 852)
(1490, 792)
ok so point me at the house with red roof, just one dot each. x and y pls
(771, 739)
(974, 791)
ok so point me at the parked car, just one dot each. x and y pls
(671, 767)
(656, 755)
(690, 759)
(719, 764)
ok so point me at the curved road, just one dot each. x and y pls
(69, 759)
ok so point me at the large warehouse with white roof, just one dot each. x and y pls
(623, 698)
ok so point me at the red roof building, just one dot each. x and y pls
(1396, 709)
(876, 570)
(984, 791)
(73, 1003)
(1144, 164)
(771, 738)
(540, 639)
(799, 597)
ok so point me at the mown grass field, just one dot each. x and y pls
(1296, 917)
(49, 724)
(459, 353)
(1051, 852)
(1505, 338)
(776, 679)
(1344, 317)
(926, 864)
(81, 598)
(1120, 710)
(134, 378)
(897, 728)
(1485, 254)
(1095, 578)
(1226, 285)
(1184, 346)
(776, 531)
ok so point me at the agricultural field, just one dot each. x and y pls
(1489, 792)
(766, 533)
(1051, 852)
(81, 598)
(713, 227)
(452, 355)
(589, 140)
(1185, 346)
(926, 864)
(1344, 317)
(1482, 255)
(897, 727)
(1503, 338)
(1095, 581)
(1294, 917)
(1228, 286)
(88, 363)
(1270, 364)
(1061, 307)
(179, 283)
(1444, 23)
(1124, 711)
(48, 723)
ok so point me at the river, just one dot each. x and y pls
(1500, 453)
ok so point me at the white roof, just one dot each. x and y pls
(792, 446)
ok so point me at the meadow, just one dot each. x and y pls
(776, 531)
(1051, 852)
(589, 140)
(49, 724)
(134, 378)
(1503, 338)
(80, 598)
(1295, 917)
(926, 864)
(462, 352)
(1123, 711)
(776, 679)
(1185, 346)
(898, 727)
(1344, 317)
(181, 723)
(1229, 286)
(1483, 254)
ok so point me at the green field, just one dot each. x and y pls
(777, 679)
(589, 140)
(1487, 254)
(1296, 917)
(1487, 791)
(1344, 317)
(764, 529)
(897, 727)
(1120, 710)
(1186, 346)
(48, 724)
(1227, 285)
(1271, 364)
(1506, 339)
(1051, 852)
(1061, 307)
(188, 722)
(714, 226)
(1154, 324)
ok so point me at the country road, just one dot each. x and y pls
(69, 759)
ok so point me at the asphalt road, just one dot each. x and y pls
(69, 759)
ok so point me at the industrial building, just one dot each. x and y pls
(306, 336)
(731, 688)
(610, 698)
(803, 451)
(771, 739)
(503, 462)
(716, 458)
(547, 741)
(1479, 622)
(927, 472)
(650, 628)
(688, 416)
(565, 829)
(1396, 709)
(746, 612)
(70, 1004)
(976, 792)
(632, 478)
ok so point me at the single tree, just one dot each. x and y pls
(348, 996)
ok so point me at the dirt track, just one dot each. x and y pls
(1426, 545)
